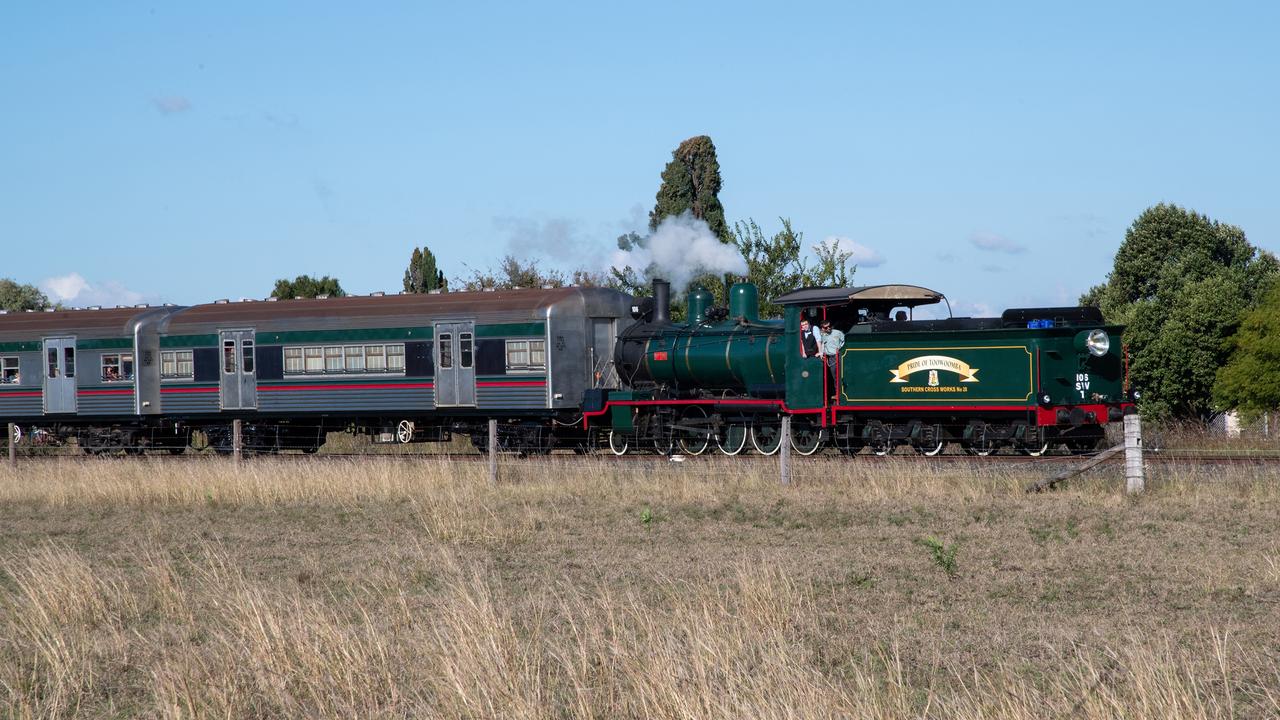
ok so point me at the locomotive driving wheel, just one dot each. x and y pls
(766, 437)
(806, 438)
(732, 439)
(695, 435)
(618, 443)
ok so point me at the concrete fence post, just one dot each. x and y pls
(784, 451)
(237, 443)
(1134, 479)
(493, 450)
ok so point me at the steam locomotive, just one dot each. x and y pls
(562, 367)
(1029, 380)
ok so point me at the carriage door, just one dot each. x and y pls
(239, 388)
(455, 364)
(60, 375)
(602, 371)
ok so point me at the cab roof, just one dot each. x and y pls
(878, 295)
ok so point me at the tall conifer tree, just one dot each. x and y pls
(691, 181)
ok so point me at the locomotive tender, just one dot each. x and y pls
(564, 367)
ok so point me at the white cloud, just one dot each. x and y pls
(74, 290)
(992, 242)
(861, 255)
(171, 104)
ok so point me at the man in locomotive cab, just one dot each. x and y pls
(900, 316)
(832, 341)
(808, 339)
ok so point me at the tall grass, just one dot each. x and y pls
(201, 639)
(470, 606)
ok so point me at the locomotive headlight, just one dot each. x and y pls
(1098, 343)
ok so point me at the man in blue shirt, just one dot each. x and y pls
(832, 341)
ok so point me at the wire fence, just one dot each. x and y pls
(526, 440)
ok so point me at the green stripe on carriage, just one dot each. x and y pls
(343, 336)
(105, 344)
(21, 346)
(535, 329)
(188, 341)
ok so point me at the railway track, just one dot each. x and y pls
(1152, 457)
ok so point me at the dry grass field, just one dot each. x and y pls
(606, 589)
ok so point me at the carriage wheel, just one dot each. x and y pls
(618, 443)
(404, 432)
(695, 442)
(806, 438)
(932, 450)
(1036, 450)
(766, 438)
(732, 440)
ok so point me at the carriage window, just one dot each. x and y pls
(526, 355)
(9, 370)
(446, 351)
(344, 359)
(354, 358)
(395, 357)
(293, 360)
(175, 364)
(228, 356)
(465, 340)
(246, 350)
(332, 359)
(69, 361)
(117, 367)
(53, 362)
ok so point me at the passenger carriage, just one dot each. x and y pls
(402, 368)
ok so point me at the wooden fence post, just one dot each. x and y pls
(1134, 481)
(237, 444)
(784, 452)
(13, 446)
(493, 450)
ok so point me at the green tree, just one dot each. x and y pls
(512, 274)
(1180, 284)
(832, 268)
(305, 286)
(17, 297)
(773, 263)
(691, 182)
(422, 275)
(1250, 381)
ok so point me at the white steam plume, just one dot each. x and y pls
(682, 248)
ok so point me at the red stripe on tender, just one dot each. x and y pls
(375, 386)
(34, 393)
(104, 392)
(513, 383)
(183, 391)
(914, 408)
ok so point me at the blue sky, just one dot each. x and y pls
(994, 152)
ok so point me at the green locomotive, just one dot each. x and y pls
(1029, 380)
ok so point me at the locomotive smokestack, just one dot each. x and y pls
(661, 302)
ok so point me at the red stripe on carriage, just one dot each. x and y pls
(513, 383)
(104, 392)
(27, 393)
(184, 391)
